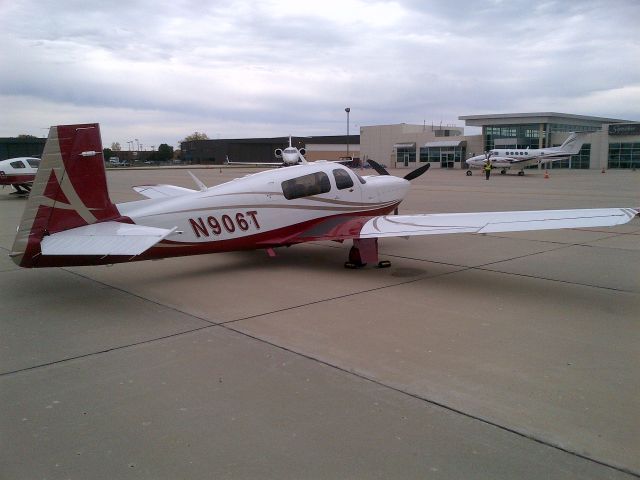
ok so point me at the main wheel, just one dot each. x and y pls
(503, 172)
(521, 173)
(469, 173)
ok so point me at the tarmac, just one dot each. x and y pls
(497, 356)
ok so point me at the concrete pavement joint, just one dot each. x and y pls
(209, 322)
(438, 404)
(106, 350)
(226, 325)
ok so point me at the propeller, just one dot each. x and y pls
(378, 168)
(417, 172)
(409, 176)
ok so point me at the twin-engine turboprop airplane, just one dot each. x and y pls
(69, 218)
(519, 158)
(290, 156)
(19, 172)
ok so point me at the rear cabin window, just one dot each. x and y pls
(343, 179)
(34, 162)
(17, 165)
(306, 186)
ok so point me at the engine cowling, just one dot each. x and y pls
(302, 151)
(278, 152)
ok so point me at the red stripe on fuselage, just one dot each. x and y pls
(10, 179)
(334, 227)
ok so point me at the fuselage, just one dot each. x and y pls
(520, 158)
(265, 209)
(290, 156)
(17, 171)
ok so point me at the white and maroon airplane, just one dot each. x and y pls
(19, 173)
(70, 220)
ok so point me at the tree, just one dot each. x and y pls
(107, 153)
(165, 152)
(196, 136)
(115, 146)
(26, 135)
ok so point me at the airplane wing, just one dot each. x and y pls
(105, 238)
(162, 191)
(492, 222)
(342, 228)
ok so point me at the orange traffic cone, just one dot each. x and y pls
(546, 174)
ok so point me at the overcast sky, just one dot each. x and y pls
(158, 71)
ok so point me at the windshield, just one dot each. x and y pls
(362, 180)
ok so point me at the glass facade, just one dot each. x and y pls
(523, 136)
(579, 161)
(562, 127)
(405, 155)
(447, 157)
(624, 155)
(527, 135)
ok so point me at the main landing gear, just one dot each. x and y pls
(365, 250)
(521, 173)
(21, 188)
(503, 171)
(469, 173)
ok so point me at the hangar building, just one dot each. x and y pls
(262, 149)
(25, 146)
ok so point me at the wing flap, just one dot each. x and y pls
(492, 222)
(107, 238)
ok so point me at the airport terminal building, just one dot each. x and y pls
(610, 143)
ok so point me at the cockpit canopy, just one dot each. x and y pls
(318, 183)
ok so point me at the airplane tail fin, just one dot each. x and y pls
(69, 191)
(573, 143)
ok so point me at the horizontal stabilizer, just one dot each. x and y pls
(492, 222)
(106, 238)
(162, 191)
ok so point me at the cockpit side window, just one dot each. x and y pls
(306, 186)
(343, 179)
(34, 162)
(17, 164)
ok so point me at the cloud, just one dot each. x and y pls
(240, 68)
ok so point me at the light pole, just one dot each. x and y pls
(347, 110)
